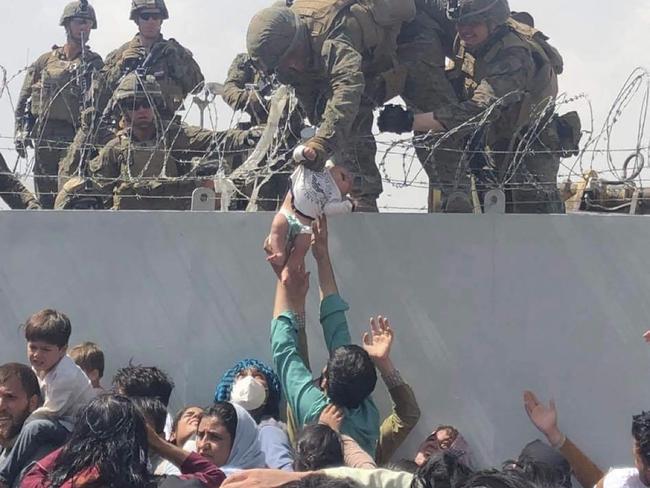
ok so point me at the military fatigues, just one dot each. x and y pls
(175, 70)
(510, 63)
(13, 192)
(147, 175)
(238, 96)
(54, 87)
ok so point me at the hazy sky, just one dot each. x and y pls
(602, 42)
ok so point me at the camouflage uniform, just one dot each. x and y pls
(242, 72)
(13, 192)
(339, 89)
(53, 88)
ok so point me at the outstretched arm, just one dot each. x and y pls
(320, 249)
(545, 419)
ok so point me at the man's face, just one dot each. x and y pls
(440, 440)
(78, 26)
(139, 112)
(15, 407)
(187, 425)
(44, 356)
(473, 34)
(213, 440)
(150, 23)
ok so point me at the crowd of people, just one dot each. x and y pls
(479, 83)
(289, 424)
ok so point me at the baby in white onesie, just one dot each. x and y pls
(312, 194)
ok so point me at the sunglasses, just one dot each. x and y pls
(149, 16)
(133, 105)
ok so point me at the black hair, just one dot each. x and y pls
(402, 465)
(351, 376)
(226, 414)
(641, 434)
(318, 447)
(492, 478)
(542, 465)
(152, 410)
(143, 381)
(322, 481)
(109, 436)
(442, 470)
(24, 374)
(48, 326)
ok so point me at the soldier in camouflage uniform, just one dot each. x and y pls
(500, 59)
(148, 52)
(332, 53)
(52, 97)
(147, 166)
(13, 192)
(241, 89)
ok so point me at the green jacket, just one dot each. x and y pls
(13, 192)
(303, 397)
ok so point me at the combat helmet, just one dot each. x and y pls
(81, 10)
(136, 86)
(469, 11)
(137, 5)
(272, 34)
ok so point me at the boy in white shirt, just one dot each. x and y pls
(312, 194)
(65, 389)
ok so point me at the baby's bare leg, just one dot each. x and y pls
(275, 243)
(296, 260)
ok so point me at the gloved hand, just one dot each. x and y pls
(22, 143)
(317, 145)
(395, 118)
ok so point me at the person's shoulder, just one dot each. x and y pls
(177, 46)
(622, 478)
(117, 53)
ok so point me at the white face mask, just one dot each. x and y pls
(249, 393)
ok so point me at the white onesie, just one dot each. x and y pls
(315, 193)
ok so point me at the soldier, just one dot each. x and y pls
(241, 91)
(146, 166)
(13, 192)
(148, 52)
(330, 52)
(501, 60)
(53, 94)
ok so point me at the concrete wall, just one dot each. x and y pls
(483, 307)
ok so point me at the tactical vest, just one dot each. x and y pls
(57, 94)
(542, 85)
(379, 21)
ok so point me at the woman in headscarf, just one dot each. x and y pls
(110, 446)
(444, 438)
(227, 436)
(254, 386)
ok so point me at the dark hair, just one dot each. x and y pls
(543, 465)
(322, 481)
(109, 436)
(402, 465)
(641, 434)
(443, 470)
(24, 374)
(492, 478)
(88, 356)
(48, 326)
(318, 447)
(143, 381)
(152, 410)
(351, 376)
(226, 414)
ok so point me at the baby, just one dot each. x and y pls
(312, 194)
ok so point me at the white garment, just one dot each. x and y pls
(373, 478)
(623, 478)
(66, 390)
(315, 193)
(162, 467)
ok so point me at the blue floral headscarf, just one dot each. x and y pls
(224, 387)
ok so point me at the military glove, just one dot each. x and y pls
(395, 118)
(22, 143)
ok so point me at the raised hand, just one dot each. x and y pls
(646, 336)
(378, 341)
(319, 239)
(543, 417)
(332, 416)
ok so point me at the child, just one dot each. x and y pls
(64, 387)
(312, 194)
(90, 358)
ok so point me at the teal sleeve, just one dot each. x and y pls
(304, 398)
(335, 325)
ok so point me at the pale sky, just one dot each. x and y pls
(602, 41)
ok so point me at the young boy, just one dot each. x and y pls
(90, 358)
(65, 389)
(312, 194)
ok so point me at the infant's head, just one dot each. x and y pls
(342, 177)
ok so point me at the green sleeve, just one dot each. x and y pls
(335, 325)
(397, 426)
(303, 397)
